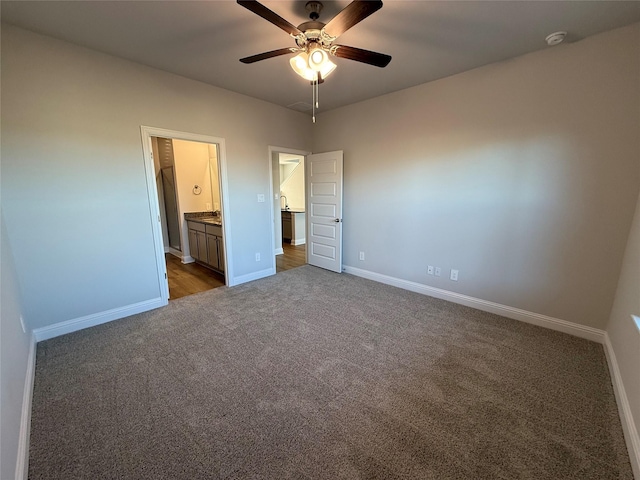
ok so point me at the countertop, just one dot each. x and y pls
(203, 217)
(207, 220)
(293, 210)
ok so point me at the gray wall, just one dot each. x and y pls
(73, 181)
(14, 353)
(623, 334)
(523, 175)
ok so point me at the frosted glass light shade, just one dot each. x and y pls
(300, 65)
(317, 57)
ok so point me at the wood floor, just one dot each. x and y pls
(187, 279)
(294, 256)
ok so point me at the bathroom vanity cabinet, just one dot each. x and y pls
(206, 244)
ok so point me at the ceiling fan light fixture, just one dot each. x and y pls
(314, 41)
(327, 68)
(317, 58)
(300, 65)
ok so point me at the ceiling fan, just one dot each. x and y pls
(315, 40)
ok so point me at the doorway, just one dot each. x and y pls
(186, 174)
(187, 180)
(289, 207)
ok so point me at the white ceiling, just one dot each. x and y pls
(203, 40)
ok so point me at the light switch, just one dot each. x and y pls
(261, 198)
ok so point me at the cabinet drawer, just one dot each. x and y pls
(214, 230)
(196, 226)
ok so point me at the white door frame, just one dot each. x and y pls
(272, 150)
(154, 207)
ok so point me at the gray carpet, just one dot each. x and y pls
(315, 375)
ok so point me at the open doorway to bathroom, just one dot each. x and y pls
(189, 200)
(289, 210)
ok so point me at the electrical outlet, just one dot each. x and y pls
(454, 275)
(430, 270)
(261, 198)
(257, 257)
(361, 256)
(438, 271)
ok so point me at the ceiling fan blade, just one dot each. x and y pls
(264, 12)
(265, 55)
(360, 55)
(353, 13)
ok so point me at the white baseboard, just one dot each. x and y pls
(249, 277)
(279, 251)
(22, 463)
(68, 326)
(188, 259)
(624, 409)
(557, 324)
(298, 241)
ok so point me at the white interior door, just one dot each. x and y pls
(324, 210)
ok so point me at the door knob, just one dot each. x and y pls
(337, 220)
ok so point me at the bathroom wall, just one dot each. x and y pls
(293, 186)
(192, 167)
(215, 176)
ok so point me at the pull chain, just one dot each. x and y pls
(314, 86)
(315, 95)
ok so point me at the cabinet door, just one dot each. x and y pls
(193, 244)
(212, 250)
(202, 247)
(220, 254)
(286, 226)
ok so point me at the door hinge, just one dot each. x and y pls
(165, 275)
(158, 217)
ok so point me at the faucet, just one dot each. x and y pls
(286, 205)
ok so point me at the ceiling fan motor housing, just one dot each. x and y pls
(314, 8)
